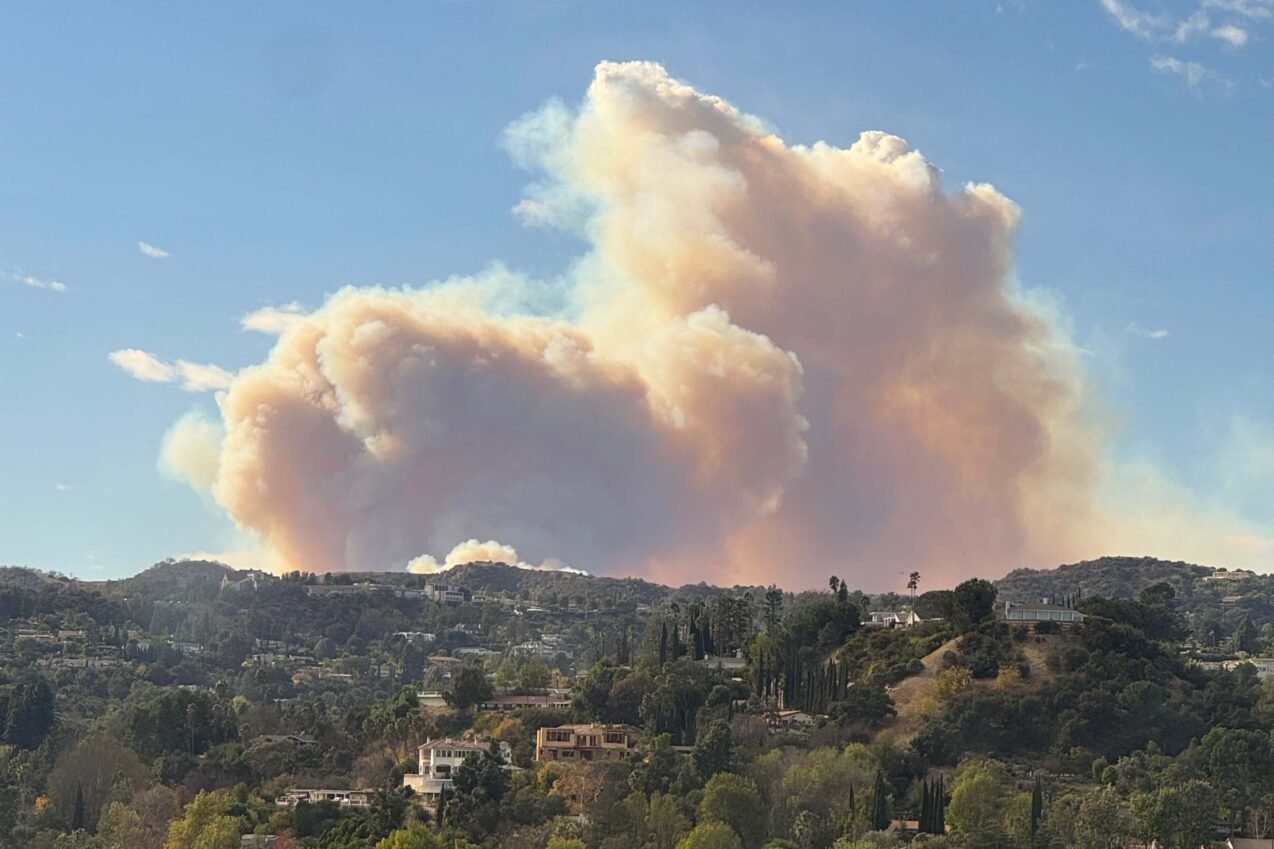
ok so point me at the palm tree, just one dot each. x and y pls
(913, 583)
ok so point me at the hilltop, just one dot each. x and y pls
(1203, 593)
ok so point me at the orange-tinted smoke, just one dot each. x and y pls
(778, 363)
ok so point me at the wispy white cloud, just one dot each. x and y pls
(273, 320)
(33, 282)
(150, 250)
(63, 487)
(1147, 333)
(193, 377)
(143, 365)
(1255, 9)
(1190, 26)
(1195, 75)
(1145, 25)
(1232, 34)
(1214, 18)
(1231, 23)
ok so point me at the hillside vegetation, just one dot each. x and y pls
(192, 705)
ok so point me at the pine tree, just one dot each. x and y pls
(773, 608)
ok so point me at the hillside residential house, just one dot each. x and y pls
(416, 636)
(344, 798)
(432, 700)
(437, 762)
(258, 841)
(1041, 612)
(444, 594)
(301, 741)
(545, 648)
(1264, 666)
(726, 663)
(792, 720)
(501, 703)
(36, 635)
(245, 584)
(892, 619)
(585, 742)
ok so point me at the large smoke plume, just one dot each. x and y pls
(774, 363)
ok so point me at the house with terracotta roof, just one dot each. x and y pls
(590, 742)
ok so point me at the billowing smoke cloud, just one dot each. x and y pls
(775, 363)
(473, 551)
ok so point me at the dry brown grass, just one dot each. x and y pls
(915, 698)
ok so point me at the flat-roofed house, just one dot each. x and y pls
(1041, 612)
(344, 798)
(506, 703)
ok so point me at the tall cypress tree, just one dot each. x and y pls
(663, 643)
(1037, 808)
(926, 808)
(940, 807)
(77, 814)
(925, 813)
(880, 806)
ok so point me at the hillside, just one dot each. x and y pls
(501, 578)
(1203, 593)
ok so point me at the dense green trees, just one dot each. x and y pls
(179, 721)
(1151, 746)
(972, 602)
(711, 835)
(469, 687)
(29, 712)
(93, 773)
(735, 801)
(205, 824)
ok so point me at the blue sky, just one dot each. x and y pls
(277, 152)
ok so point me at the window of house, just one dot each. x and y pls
(557, 736)
(614, 737)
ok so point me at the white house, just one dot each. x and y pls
(726, 662)
(1041, 612)
(792, 720)
(892, 619)
(344, 798)
(438, 761)
(416, 636)
(444, 594)
(432, 700)
(1264, 666)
